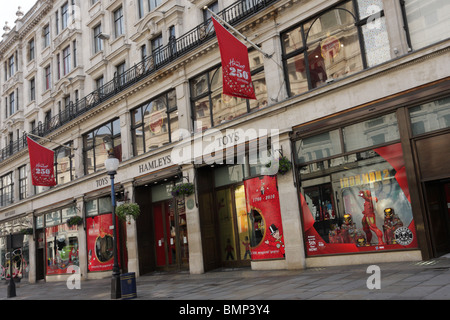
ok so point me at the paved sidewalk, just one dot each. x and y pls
(428, 280)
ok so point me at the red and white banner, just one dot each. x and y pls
(41, 161)
(264, 216)
(237, 80)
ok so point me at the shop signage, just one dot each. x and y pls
(369, 177)
(155, 164)
(265, 227)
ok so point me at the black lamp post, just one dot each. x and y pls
(111, 165)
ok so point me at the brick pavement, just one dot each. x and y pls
(428, 280)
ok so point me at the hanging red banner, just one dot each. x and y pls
(41, 162)
(237, 80)
(265, 228)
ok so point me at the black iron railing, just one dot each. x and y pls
(176, 48)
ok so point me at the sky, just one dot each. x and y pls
(8, 9)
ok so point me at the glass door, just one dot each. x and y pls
(233, 226)
(171, 240)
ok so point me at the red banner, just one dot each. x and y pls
(263, 207)
(41, 161)
(100, 242)
(237, 80)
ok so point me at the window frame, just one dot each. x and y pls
(302, 52)
(169, 110)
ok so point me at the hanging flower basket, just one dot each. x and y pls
(74, 221)
(127, 211)
(183, 189)
(284, 165)
(27, 231)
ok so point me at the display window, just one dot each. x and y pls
(355, 202)
(18, 258)
(61, 241)
(99, 234)
(264, 218)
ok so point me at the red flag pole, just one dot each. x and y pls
(237, 32)
(49, 140)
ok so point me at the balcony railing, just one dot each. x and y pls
(176, 48)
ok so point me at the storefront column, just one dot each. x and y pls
(131, 245)
(290, 213)
(125, 134)
(82, 245)
(32, 244)
(196, 265)
(184, 114)
(276, 89)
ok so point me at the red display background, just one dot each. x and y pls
(315, 245)
(268, 205)
(99, 227)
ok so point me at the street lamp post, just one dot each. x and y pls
(111, 165)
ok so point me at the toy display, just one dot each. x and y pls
(368, 220)
(391, 223)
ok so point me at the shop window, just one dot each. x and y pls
(61, 241)
(97, 143)
(155, 123)
(370, 133)
(335, 44)
(20, 257)
(317, 147)
(427, 21)
(356, 202)
(99, 234)
(211, 108)
(430, 116)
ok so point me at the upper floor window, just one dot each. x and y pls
(210, 107)
(63, 164)
(6, 189)
(98, 142)
(66, 60)
(23, 184)
(48, 78)
(46, 36)
(31, 50)
(98, 42)
(152, 4)
(12, 104)
(64, 15)
(11, 65)
(140, 7)
(32, 89)
(335, 44)
(118, 22)
(155, 123)
(157, 45)
(427, 21)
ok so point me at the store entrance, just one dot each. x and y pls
(233, 226)
(169, 218)
(161, 229)
(438, 207)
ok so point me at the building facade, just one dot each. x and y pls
(355, 94)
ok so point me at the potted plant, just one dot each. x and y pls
(27, 231)
(183, 189)
(126, 211)
(284, 165)
(74, 221)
